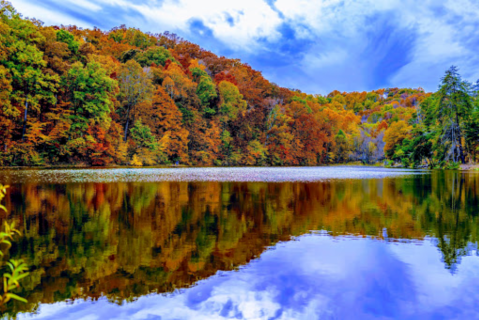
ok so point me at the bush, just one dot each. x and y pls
(451, 165)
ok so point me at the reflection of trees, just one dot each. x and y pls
(125, 240)
(449, 216)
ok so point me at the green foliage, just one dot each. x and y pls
(321, 100)
(156, 55)
(446, 129)
(206, 91)
(358, 107)
(91, 92)
(142, 136)
(22, 65)
(69, 39)
(116, 35)
(197, 73)
(17, 268)
(139, 39)
(188, 117)
(128, 55)
(257, 152)
(372, 96)
(448, 114)
(302, 101)
(147, 150)
(232, 100)
(451, 165)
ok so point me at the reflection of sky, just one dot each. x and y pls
(315, 276)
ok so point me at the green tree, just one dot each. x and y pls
(91, 94)
(66, 37)
(146, 150)
(24, 62)
(342, 148)
(451, 111)
(142, 136)
(156, 55)
(206, 91)
(231, 100)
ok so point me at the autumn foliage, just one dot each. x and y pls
(73, 96)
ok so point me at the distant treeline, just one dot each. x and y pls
(80, 96)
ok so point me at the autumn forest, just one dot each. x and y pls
(73, 96)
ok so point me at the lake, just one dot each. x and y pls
(246, 243)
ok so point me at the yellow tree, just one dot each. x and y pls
(232, 102)
(135, 87)
(394, 135)
(164, 120)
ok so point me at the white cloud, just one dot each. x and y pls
(36, 10)
(340, 31)
(85, 4)
(251, 19)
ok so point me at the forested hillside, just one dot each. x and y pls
(125, 97)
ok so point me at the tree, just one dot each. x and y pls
(66, 37)
(142, 136)
(178, 84)
(394, 136)
(279, 138)
(452, 110)
(165, 119)
(135, 87)
(231, 100)
(147, 148)
(91, 94)
(342, 147)
(24, 63)
(206, 89)
(156, 55)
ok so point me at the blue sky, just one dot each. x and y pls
(315, 46)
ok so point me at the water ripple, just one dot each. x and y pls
(221, 174)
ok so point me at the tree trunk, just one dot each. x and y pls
(126, 128)
(127, 122)
(459, 136)
(25, 120)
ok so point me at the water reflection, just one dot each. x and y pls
(122, 241)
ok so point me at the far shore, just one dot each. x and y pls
(462, 167)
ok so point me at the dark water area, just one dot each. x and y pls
(245, 243)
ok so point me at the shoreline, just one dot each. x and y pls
(462, 167)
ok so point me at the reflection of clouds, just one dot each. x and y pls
(315, 276)
(441, 294)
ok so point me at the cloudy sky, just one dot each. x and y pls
(315, 46)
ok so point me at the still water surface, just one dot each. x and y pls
(246, 243)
